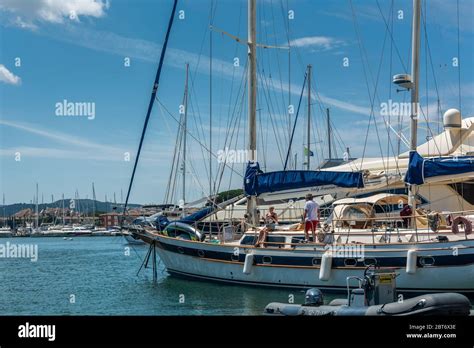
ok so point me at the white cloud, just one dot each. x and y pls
(77, 147)
(148, 51)
(26, 13)
(8, 77)
(322, 42)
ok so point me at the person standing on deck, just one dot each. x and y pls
(311, 217)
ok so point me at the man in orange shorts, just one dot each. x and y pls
(311, 217)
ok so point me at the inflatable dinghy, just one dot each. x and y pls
(375, 296)
(430, 304)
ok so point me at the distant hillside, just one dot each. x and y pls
(82, 205)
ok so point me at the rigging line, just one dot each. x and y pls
(303, 69)
(316, 134)
(238, 118)
(179, 136)
(236, 49)
(391, 36)
(361, 47)
(197, 66)
(198, 111)
(150, 105)
(423, 16)
(286, 20)
(236, 112)
(176, 173)
(189, 133)
(233, 132)
(389, 141)
(199, 127)
(172, 169)
(272, 92)
(263, 79)
(423, 10)
(211, 181)
(316, 130)
(282, 99)
(280, 75)
(459, 58)
(263, 143)
(296, 120)
(322, 108)
(196, 178)
(390, 82)
(230, 134)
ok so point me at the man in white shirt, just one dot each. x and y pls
(311, 217)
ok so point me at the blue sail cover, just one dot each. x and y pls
(419, 168)
(257, 182)
(196, 216)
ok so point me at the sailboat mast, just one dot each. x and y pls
(308, 153)
(329, 134)
(63, 207)
(3, 205)
(415, 72)
(185, 135)
(93, 203)
(252, 100)
(37, 216)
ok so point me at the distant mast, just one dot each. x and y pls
(4, 216)
(93, 204)
(37, 214)
(252, 101)
(63, 208)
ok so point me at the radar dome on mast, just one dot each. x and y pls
(403, 80)
(452, 119)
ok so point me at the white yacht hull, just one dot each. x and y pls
(216, 262)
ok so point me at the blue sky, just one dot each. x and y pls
(80, 58)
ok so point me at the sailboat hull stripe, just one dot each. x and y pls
(382, 261)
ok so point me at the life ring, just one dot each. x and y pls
(461, 220)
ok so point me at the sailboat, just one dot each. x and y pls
(282, 260)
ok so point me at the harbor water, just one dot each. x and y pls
(98, 276)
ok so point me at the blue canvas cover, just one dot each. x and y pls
(257, 182)
(420, 169)
(196, 216)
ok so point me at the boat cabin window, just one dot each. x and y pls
(248, 240)
(466, 190)
(275, 241)
(296, 240)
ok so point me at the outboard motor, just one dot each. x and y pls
(380, 285)
(313, 297)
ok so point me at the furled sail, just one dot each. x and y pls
(421, 170)
(258, 182)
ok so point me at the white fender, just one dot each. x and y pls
(248, 264)
(326, 264)
(412, 255)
